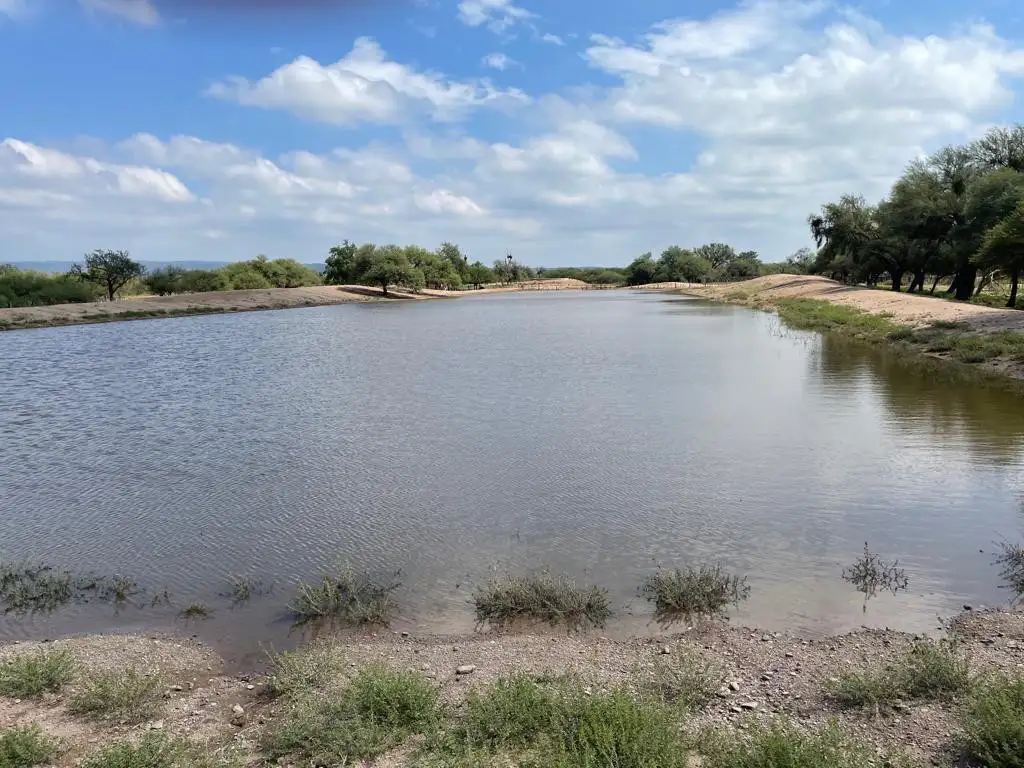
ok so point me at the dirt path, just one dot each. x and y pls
(762, 676)
(906, 309)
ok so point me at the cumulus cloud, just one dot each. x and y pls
(778, 106)
(498, 15)
(498, 61)
(363, 87)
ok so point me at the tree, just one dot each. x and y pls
(799, 262)
(112, 270)
(682, 265)
(479, 274)
(339, 267)
(716, 254)
(641, 270)
(451, 253)
(1003, 247)
(745, 265)
(391, 266)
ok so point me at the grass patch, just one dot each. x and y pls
(687, 679)
(242, 589)
(30, 675)
(377, 711)
(993, 724)
(27, 587)
(151, 750)
(1011, 561)
(682, 594)
(297, 673)
(198, 611)
(934, 670)
(26, 746)
(824, 316)
(126, 696)
(782, 745)
(541, 597)
(352, 598)
(508, 715)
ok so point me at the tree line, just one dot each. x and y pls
(957, 214)
(712, 262)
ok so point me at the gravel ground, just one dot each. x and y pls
(764, 675)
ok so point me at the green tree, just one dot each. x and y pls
(391, 267)
(743, 266)
(111, 270)
(204, 281)
(479, 274)
(682, 265)
(340, 265)
(165, 281)
(243, 276)
(451, 253)
(1003, 248)
(641, 270)
(716, 254)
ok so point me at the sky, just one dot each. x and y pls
(568, 133)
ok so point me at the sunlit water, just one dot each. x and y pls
(600, 433)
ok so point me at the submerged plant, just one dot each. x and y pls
(869, 574)
(541, 597)
(242, 589)
(352, 598)
(681, 594)
(197, 611)
(1011, 560)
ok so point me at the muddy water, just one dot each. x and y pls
(601, 433)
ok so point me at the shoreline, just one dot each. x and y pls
(761, 677)
(973, 337)
(226, 302)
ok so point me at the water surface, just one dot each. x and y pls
(601, 433)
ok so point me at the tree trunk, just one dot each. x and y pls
(897, 279)
(936, 283)
(1014, 282)
(384, 288)
(917, 284)
(964, 284)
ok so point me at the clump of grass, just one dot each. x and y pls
(682, 594)
(993, 725)
(508, 715)
(541, 597)
(869, 574)
(352, 598)
(30, 675)
(30, 587)
(930, 670)
(687, 679)
(127, 696)
(118, 589)
(197, 611)
(26, 746)
(376, 712)
(824, 316)
(1011, 561)
(242, 589)
(780, 743)
(298, 673)
(152, 750)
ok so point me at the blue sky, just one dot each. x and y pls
(570, 133)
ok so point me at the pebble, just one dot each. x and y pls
(789, 654)
(238, 709)
(157, 725)
(665, 650)
(733, 685)
(748, 704)
(250, 687)
(465, 669)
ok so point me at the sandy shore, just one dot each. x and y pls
(151, 307)
(763, 676)
(904, 308)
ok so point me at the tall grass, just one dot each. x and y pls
(541, 597)
(30, 675)
(123, 695)
(682, 594)
(349, 597)
(993, 724)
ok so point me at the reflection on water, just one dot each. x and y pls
(601, 433)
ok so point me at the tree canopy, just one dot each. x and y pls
(112, 270)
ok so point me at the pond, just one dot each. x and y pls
(601, 433)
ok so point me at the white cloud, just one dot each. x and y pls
(548, 37)
(14, 9)
(498, 15)
(364, 86)
(141, 12)
(498, 61)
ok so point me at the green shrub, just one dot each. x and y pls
(687, 678)
(510, 714)
(993, 726)
(151, 750)
(29, 288)
(541, 597)
(26, 746)
(376, 712)
(351, 598)
(120, 695)
(29, 675)
(682, 594)
(297, 673)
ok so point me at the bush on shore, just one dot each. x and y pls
(686, 593)
(541, 597)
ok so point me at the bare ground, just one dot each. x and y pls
(904, 308)
(766, 675)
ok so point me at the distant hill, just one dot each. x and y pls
(64, 266)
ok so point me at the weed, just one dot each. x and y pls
(869, 573)
(541, 597)
(30, 587)
(160, 598)
(198, 611)
(377, 711)
(687, 679)
(120, 695)
(682, 594)
(118, 589)
(900, 333)
(30, 675)
(510, 714)
(931, 669)
(26, 746)
(242, 589)
(993, 725)
(297, 673)
(151, 750)
(948, 325)
(351, 598)
(782, 744)
(1011, 560)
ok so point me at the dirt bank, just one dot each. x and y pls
(903, 308)
(762, 676)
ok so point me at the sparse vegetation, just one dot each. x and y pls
(26, 746)
(151, 750)
(197, 611)
(29, 675)
(1011, 561)
(687, 678)
(508, 715)
(930, 670)
(127, 695)
(993, 725)
(541, 597)
(28, 587)
(377, 711)
(351, 598)
(869, 574)
(683, 594)
(297, 673)
(242, 589)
